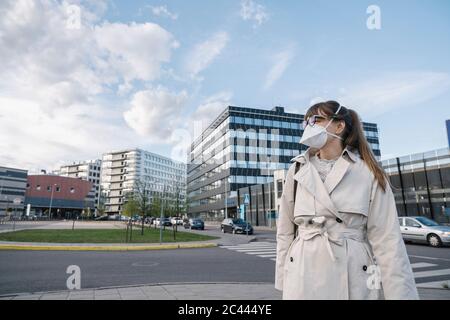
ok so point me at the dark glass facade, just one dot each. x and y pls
(242, 147)
(421, 184)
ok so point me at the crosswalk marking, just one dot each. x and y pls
(250, 250)
(432, 273)
(422, 265)
(267, 250)
(259, 253)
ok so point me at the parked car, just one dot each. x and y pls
(165, 222)
(424, 230)
(102, 218)
(176, 220)
(136, 218)
(149, 220)
(236, 226)
(194, 223)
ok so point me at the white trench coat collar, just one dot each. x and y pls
(310, 178)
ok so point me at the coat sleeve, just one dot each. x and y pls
(285, 226)
(385, 238)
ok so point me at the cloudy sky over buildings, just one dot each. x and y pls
(150, 74)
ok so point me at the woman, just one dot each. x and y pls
(338, 235)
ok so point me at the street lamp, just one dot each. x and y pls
(161, 215)
(51, 201)
(270, 195)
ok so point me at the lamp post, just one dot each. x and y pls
(51, 202)
(161, 216)
(270, 196)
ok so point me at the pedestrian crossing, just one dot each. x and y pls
(422, 270)
(259, 249)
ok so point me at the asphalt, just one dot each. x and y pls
(220, 289)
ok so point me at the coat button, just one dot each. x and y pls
(292, 259)
(365, 268)
(338, 220)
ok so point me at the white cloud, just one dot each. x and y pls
(186, 132)
(58, 85)
(163, 12)
(154, 113)
(135, 51)
(374, 97)
(209, 109)
(281, 61)
(43, 60)
(205, 52)
(250, 10)
(34, 140)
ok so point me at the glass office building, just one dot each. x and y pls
(421, 184)
(242, 147)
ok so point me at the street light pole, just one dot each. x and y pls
(161, 216)
(270, 196)
(51, 201)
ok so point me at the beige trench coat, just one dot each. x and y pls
(347, 243)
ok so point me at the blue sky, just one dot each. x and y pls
(205, 55)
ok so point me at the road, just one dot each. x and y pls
(33, 271)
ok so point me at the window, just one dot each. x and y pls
(400, 221)
(411, 223)
(58, 189)
(38, 187)
(248, 121)
(72, 190)
(49, 188)
(279, 188)
(427, 222)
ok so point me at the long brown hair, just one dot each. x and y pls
(352, 136)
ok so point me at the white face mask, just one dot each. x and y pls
(316, 136)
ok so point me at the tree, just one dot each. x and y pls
(141, 196)
(131, 206)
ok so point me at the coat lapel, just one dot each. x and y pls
(309, 178)
(336, 174)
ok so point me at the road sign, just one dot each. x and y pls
(242, 211)
(246, 198)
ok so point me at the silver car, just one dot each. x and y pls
(425, 230)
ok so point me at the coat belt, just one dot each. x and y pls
(337, 237)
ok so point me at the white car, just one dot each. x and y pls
(176, 220)
(425, 230)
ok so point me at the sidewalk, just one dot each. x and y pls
(185, 291)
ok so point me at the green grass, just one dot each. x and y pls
(99, 236)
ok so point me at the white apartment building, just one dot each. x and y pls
(89, 170)
(123, 170)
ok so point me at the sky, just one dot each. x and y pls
(82, 78)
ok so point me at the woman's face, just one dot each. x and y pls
(336, 127)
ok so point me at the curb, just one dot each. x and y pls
(155, 284)
(106, 248)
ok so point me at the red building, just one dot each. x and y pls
(66, 197)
